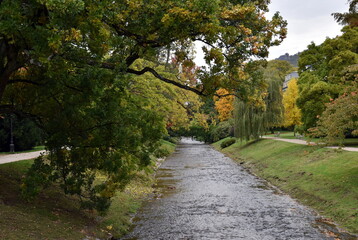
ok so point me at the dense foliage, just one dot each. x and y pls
(292, 114)
(70, 67)
(339, 120)
(323, 71)
(259, 114)
(224, 105)
(26, 134)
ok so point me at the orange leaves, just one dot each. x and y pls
(224, 105)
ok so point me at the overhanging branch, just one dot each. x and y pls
(164, 79)
(12, 81)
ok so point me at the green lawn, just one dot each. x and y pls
(325, 179)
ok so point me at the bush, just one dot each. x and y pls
(174, 140)
(227, 142)
(222, 130)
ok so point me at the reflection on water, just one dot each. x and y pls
(201, 194)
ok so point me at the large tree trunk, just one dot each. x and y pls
(8, 64)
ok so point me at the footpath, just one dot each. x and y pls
(303, 142)
(14, 157)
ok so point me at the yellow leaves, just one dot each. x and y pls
(237, 12)
(178, 14)
(73, 35)
(245, 30)
(134, 4)
(292, 114)
(224, 105)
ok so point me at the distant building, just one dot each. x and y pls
(288, 78)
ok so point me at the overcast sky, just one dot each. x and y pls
(308, 20)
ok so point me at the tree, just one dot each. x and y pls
(339, 119)
(275, 74)
(292, 115)
(321, 72)
(224, 105)
(176, 106)
(264, 110)
(351, 17)
(69, 67)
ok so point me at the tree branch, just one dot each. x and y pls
(164, 79)
(12, 81)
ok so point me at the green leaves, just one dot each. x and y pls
(322, 70)
(91, 74)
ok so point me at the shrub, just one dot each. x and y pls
(227, 142)
(222, 130)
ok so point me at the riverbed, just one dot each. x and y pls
(202, 194)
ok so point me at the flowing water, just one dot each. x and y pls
(204, 195)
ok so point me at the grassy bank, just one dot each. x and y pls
(324, 179)
(54, 215)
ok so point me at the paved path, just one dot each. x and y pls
(6, 158)
(201, 194)
(303, 142)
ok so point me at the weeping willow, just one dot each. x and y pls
(249, 120)
(252, 120)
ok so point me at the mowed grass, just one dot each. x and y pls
(325, 179)
(54, 215)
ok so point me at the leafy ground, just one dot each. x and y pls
(324, 179)
(54, 215)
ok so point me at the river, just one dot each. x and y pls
(202, 194)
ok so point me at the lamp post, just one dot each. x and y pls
(12, 146)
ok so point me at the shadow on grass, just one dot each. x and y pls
(51, 215)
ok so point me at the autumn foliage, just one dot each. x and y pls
(224, 105)
(292, 114)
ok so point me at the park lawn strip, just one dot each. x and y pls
(54, 215)
(324, 179)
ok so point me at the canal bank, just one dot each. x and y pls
(324, 179)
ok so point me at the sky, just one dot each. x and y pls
(308, 20)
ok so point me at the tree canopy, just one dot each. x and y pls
(292, 114)
(265, 109)
(322, 73)
(70, 66)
